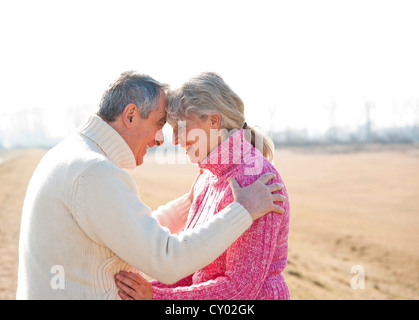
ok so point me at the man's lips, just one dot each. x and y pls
(146, 149)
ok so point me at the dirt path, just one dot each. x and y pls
(353, 214)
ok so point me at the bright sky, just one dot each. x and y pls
(288, 60)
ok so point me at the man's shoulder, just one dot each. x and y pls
(75, 155)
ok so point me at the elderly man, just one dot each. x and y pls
(83, 220)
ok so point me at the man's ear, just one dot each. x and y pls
(215, 121)
(129, 114)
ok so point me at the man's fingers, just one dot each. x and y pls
(275, 187)
(266, 193)
(233, 184)
(277, 209)
(277, 197)
(267, 177)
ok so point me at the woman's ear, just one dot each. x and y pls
(215, 121)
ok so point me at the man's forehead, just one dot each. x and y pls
(160, 111)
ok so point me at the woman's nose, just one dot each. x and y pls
(175, 138)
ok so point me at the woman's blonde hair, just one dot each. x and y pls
(207, 94)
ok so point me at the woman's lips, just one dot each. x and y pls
(186, 147)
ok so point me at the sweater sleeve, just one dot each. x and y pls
(106, 205)
(247, 264)
(181, 283)
(174, 214)
(248, 259)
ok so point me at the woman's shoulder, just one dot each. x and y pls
(249, 171)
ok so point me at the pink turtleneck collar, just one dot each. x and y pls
(233, 151)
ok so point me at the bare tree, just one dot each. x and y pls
(416, 111)
(272, 122)
(369, 106)
(331, 111)
(415, 118)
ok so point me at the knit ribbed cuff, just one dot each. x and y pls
(158, 294)
(235, 220)
(238, 216)
(182, 206)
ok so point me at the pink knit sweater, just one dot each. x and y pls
(252, 267)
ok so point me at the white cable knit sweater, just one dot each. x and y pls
(83, 217)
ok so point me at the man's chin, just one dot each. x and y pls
(140, 161)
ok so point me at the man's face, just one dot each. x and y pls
(146, 133)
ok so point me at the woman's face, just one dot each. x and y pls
(196, 136)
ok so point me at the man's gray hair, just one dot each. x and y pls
(130, 87)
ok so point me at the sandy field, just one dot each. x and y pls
(354, 230)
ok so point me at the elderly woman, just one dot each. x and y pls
(208, 122)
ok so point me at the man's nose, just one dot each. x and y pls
(159, 138)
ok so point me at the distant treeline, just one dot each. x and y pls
(40, 137)
(301, 137)
(46, 127)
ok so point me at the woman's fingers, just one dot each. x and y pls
(124, 296)
(134, 286)
(133, 278)
(128, 291)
